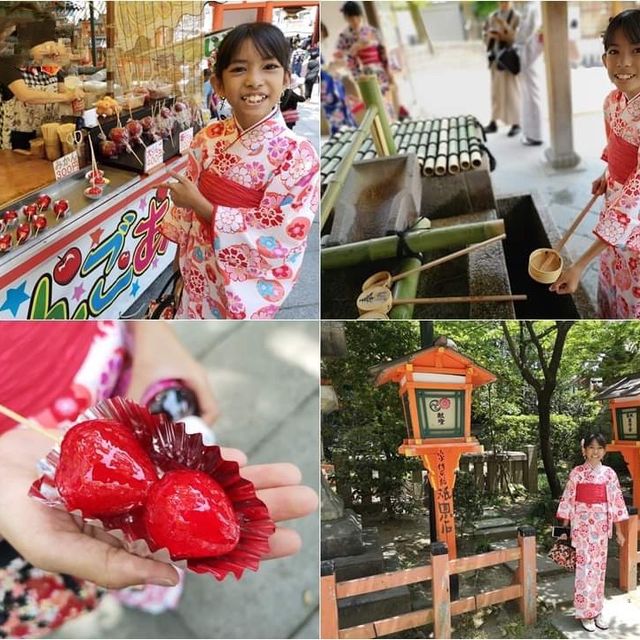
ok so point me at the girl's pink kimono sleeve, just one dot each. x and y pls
(259, 250)
(177, 221)
(618, 224)
(617, 509)
(567, 506)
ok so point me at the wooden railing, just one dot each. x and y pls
(438, 572)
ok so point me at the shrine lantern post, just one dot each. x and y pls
(435, 387)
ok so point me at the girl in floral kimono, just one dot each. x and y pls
(592, 504)
(618, 229)
(359, 45)
(243, 211)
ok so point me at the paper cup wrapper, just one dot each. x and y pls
(171, 448)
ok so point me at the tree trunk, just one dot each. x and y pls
(544, 427)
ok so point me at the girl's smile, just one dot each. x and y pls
(252, 84)
(622, 60)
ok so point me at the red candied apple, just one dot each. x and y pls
(134, 129)
(23, 232)
(103, 470)
(179, 106)
(93, 192)
(5, 241)
(43, 202)
(10, 216)
(119, 135)
(39, 222)
(165, 112)
(60, 207)
(189, 513)
(147, 123)
(108, 148)
(30, 210)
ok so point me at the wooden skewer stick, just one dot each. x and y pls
(569, 231)
(27, 422)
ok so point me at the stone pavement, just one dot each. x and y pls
(455, 80)
(265, 376)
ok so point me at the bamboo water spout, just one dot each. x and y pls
(387, 247)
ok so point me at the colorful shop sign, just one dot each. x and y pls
(98, 270)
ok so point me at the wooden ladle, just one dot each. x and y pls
(385, 279)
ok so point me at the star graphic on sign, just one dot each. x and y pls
(142, 205)
(154, 264)
(96, 235)
(15, 298)
(78, 292)
(135, 287)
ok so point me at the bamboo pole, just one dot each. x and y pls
(406, 288)
(337, 181)
(370, 91)
(387, 247)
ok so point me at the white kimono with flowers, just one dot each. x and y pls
(591, 528)
(245, 262)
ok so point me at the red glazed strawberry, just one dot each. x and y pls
(103, 469)
(189, 513)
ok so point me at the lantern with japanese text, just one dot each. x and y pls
(624, 403)
(435, 387)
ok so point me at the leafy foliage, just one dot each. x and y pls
(367, 430)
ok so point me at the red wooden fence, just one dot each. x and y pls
(439, 571)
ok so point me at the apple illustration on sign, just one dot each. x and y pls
(123, 260)
(68, 266)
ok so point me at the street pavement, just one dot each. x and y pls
(265, 377)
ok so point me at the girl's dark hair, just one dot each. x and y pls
(598, 437)
(350, 9)
(629, 22)
(267, 39)
(323, 31)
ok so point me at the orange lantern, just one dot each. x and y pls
(435, 387)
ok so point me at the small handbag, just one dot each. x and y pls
(165, 306)
(508, 60)
(563, 554)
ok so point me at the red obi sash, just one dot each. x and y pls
(591, 493)
(227, 193)
(369, 55)
(622, 157)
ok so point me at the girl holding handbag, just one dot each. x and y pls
(592, 503)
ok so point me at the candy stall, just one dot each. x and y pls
(80, 212)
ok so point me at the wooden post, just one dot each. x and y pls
(629, 552)
(531, 471)
(526, 573)
(329, 601)
(441, 595)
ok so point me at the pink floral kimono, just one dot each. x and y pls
(592, 501)
(619, 221)
(263, 185)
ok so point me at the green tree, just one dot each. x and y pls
(537, 350)
(366, 431)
